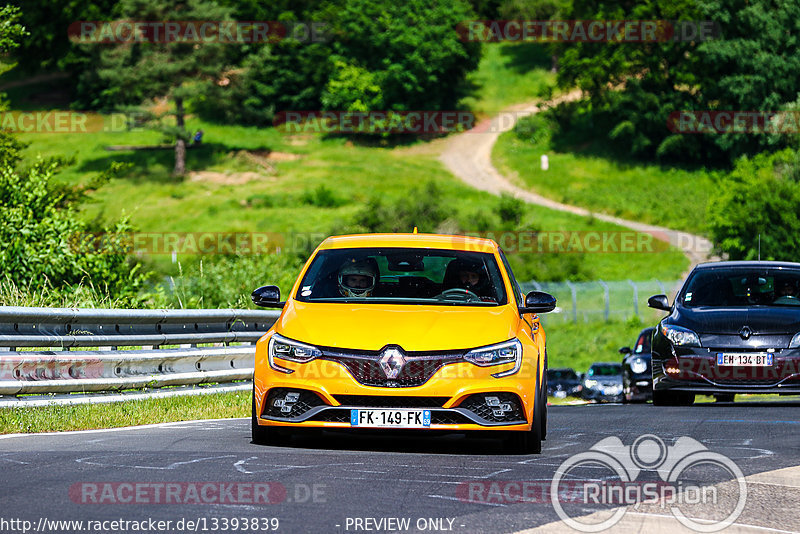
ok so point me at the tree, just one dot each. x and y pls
(757, 210)
(39, 223)
(177, 69)
(750, 63)
(384, 55)
(401, 55)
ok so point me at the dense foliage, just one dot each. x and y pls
(757, 210)
(750, 64)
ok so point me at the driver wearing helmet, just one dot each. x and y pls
(357, 278)
(471, 276)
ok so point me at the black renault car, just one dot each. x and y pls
(637, 374)
(734, 328)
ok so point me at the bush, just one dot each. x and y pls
(510, 209)
(322, 197)
(226, 281)
(536, 129)
(422, 208)
(45, 241)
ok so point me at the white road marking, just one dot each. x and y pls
(467, 502)
(87, 460)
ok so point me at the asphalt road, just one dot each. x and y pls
(355, 483)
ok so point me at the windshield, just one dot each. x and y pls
(643, 343)
(605, 370)
(743, 287)
(561, 374)
(403, 276)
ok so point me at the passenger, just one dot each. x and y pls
(463, 274)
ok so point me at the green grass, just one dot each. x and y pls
(578, 345)
(666, 196)
(158, 202)
(129, 413)
(509, 74)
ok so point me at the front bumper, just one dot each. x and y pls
(695, 370)
(455, 395)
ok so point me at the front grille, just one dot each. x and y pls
(365, 366)
(450, 418)
(383, 401)
(278, 406)
(477, 404)
(332, 416)
(743, 382)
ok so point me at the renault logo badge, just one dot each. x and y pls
(392, 363)
(745, 332)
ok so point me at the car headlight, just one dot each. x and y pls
(287, 349)
(638, 366)
(590, 383)
(507, 352)
(795, 343)
(678, 335)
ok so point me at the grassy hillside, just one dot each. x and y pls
(587, 177)
(508, 74)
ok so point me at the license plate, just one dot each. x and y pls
(390, 418)
(744, 359)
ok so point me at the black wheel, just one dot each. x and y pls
(530, 441)
(725, 397)
(262, 435)
(672, 398)
(544, 417)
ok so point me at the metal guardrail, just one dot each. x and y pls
(146, 363)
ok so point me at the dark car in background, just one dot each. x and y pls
(563, 382)
(734, 328)
(603, 382)
(637, 373)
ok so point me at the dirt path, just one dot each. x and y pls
(469, 156)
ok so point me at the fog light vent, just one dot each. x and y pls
(287, 404)
(495, 407)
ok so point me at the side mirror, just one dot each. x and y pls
(267, 297)
(538, 302)
(659, 302)
(625, 350)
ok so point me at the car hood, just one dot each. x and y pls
(774, 320)
(412, 327)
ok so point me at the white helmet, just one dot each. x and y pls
(357, 278)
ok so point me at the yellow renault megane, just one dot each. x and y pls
(404, 331)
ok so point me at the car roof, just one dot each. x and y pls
(752, 263)
(435, 241)
(595, 364)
